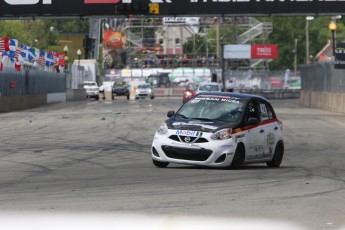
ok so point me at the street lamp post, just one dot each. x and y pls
(307, 19)
(79, 55)
(333, 27)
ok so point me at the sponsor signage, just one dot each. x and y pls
(260, 51)
(339, 61)
(31, 8)
(236, 51)
(265, 51)
(181, 21)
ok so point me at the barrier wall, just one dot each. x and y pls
(333, 102)
(18, 102)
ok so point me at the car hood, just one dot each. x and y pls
(198, 125)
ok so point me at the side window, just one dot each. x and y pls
(253, 110)
(266, 112)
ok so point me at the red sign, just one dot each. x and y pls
(100, 1)
(264, 51)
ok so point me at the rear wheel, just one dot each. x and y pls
(277, 157)
(160, 164)
(239, 156)
(127, 97)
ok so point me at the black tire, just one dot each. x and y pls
(277, 157)
(127, 97)
(97, 98)
(160, 164)
(238, 159)
(152, 97)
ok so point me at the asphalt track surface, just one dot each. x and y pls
(94, 157)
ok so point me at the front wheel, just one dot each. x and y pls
(238, 159)
(160, 164)
(277, 157)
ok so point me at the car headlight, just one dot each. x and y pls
(222, 134)
(149, 90)
(188, 93)
(163, 129)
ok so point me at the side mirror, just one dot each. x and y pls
(171, 113)
(253, 121)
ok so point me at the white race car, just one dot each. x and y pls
(220, 130)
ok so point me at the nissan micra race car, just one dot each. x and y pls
(220, 129)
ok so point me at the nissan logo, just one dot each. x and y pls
(187, 139)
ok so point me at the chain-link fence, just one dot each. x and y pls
(31, 82)
(322, 77)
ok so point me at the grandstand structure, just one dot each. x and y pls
(158, 42)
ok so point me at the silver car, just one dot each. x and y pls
(143, 91)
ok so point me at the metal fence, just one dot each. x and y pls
(31, 82)
(322, 77)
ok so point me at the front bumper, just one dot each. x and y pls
(201, 151)
(92, 93)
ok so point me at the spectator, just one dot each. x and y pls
(220, 83)
(230, 86)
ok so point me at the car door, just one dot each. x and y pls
(255, 133)
(269, 124)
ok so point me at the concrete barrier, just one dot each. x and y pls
(75, 94)
(333, 102)
(18, 102)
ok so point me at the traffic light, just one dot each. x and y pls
(132, 8)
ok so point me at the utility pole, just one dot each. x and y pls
(295, 59)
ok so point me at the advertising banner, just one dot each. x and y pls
(237, 51)
(339, 62)
(264, 51)
(114, 41)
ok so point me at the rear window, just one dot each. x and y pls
(209, 88)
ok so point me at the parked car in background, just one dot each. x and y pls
(159, 80)
(220, 129)
(189, 92)
(207, 87)
(144, 90)
(120, 88)
(92, 89)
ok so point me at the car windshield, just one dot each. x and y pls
(213, 107)
(209, 88)
(120, 84)
(144, 86)
(90, 84)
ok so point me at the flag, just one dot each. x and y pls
(25, 52)
(60, 58)
(41, 59)
(49, 58)
(13, 43)
(9, 54)
(18, 51)
(4, 46)
(34, 54)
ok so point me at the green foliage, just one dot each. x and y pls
(41, 34)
